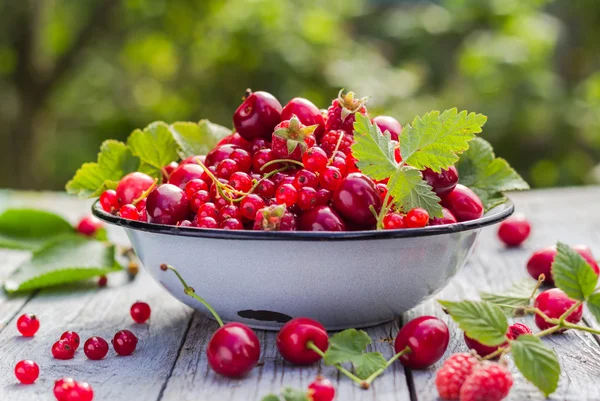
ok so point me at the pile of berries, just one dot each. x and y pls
(284, 168)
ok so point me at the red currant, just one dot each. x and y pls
(514, 230)
(168, 170)
(62, 387)
(416, 218)
(240, 181)
(140, 312)
(233, 350)
(198, 199)
(186, 173)
(294, 336)
(80, 392)
(330, 178)
(89, 225)
(243, 159)
(464, 204)
(95, 348)
(206, 222)
(72, 337)
(354, 199)
(28, 325)
(314, 159)
(340, 164)
(226, 168)
(167, 204)
(286, 195)
(306, 178)
(27, 371)
(307, 198)
(554, 302)
(266, 188)
(207, 210)
(389, 124)
(321, 390)
(132, 186)
(231, 224)
(194, 186)
(323, 197)
(62, 349)
(124, 342)
(129, 212)
(109, 201)
(427, 337)
(257, 115)
(261, 158)
(230, 212)
(393, 221)
(250, 205)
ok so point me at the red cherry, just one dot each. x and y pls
(541, 262)
(234, 139)
(463, 203)
(62, 349)
(307, 113)
(218, 154)
(321, 218)
(233, 350)
(132, 186)
(393, 221)
(124, 342)
(257, 115)
(427, 337)
(27, 371)
(514, 230)
(89, 225)
(72, 337)
(321, 390)
(355, 197)
(416, 218)
(167, 204)
(389, 124)
(295, 335)
(140, 312)
(28, 325)
(554, 302)
(95, 348)
(109, 201)
(442, 183)
(258, 144)
(184, 174)
(586, 253)
(481, 349)
(448, 218)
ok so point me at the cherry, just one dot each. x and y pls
(226, 167)
(448, 218)
(95, 348)
(129, 212)
(81, 391)
(62, 349)
(514, 230)
(554, 303)
(72, 337)
(186, 173)
(167, 204)
(586, 253)
(109, 201)
(307, 198)
(207, 222)
(218, 154)
(257, 115)
(427, 337)
(389, 124)
(307, 113)
(193, 160)
(184, 223)
(240, 181)
(314, 159)
(27, 371)
(393, 221)
(140, 312)
(463, 203)
(286, 195)
(132, 186)
(231, 224)
(266, 188)
(234, 139)
(124, 342)
(250, 205)
(323, 197)
(416, 218)
(62, 387)
(306, 178)
(355, 197)
(294, 336)
(321, 390)
(233, 350)
(541, 262)
(321, 218)
(331, 178)
(198, 199)
(168, 170)
(207, 210)
(194, 186)
(274, 218)
(442, 183)
(89, 225)
(258, 144)
(481, 349)
(28, 325)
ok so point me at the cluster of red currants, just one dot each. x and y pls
(283, 168)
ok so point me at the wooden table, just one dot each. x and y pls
(170, 362)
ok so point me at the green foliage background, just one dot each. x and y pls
(73, 73)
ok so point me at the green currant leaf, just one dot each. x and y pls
(155, 146)
(517, 295)
(409, 190)
(482, 321)
(292, 394)
(373, 150)
(572, 273)
(114, 161)
(349, 346)
(30, 229)
(538, 363)
(593, 304)
(197, 139)
(65, 259)
(487, 175)
(435, 140)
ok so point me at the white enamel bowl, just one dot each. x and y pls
(341, 279)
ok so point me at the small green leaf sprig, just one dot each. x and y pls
(486, 320)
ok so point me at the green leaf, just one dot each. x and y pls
(349, 346)
(154, 146)
(65, 259)
(197, 139)
(292, 394)
(593, 304)
(482, 321)
(373, 150)
(436, 140)
(487, 175)
(572, 273)
(409, 190)
(517, 295)
(29, 229)
(537, 363)
(114, 161)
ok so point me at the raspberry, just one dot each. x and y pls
(341, 113)
(516, 330)
(453, 373)
(330, 140)
(491, 382)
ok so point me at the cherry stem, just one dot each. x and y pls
(365, 384)
(145, 194)
(541, 279)
(290, 161)
(311, 346)
(192, 293)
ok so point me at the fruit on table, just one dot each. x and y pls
(554, 302)
(27, 371)
(140, 312)
(514, 331)
(72, 337)
(514, 230)
(489, 382)
(541, 260)
(321, 389)
(124, 342)
(62, 349)
(463, 203)
(89, 225)
(453, 373)
(233, 350)
(28, 325)
(427, 338)
(257, 115)
(95, 348)
(294, 336)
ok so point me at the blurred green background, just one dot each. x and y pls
(73, 73)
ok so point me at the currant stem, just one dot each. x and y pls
(290, 161)
(337, 146)
(367, 382)
(311, 345)
(192, 293)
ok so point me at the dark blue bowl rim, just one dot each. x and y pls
(494, 216)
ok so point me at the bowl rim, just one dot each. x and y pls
(496, 215)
